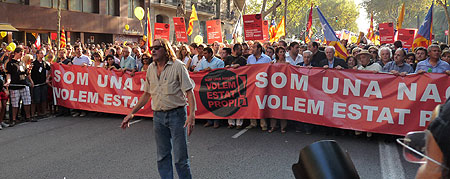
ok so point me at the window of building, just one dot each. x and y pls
(132, 4)
(112, 7)
(91, 6)
(53, 4)
(24, 2)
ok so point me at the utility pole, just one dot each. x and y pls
(285, 17)
(59, 25)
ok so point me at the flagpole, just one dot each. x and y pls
(59, 25)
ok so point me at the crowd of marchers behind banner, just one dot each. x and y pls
(25, 72)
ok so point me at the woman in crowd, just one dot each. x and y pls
(110, 63)
(184, 55)
(98, 59)
(446, 56)
(146, 61)
(280, 57)
(351, 62)
(411, 59)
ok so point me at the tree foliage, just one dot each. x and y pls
(298, 11)
(389, 10)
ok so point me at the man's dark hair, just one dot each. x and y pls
(443, 46)
(259, 45)
(315, 44)
(283, 43)
(113, 50)
(410, 54)
(208, 49)
(421, 48)
(398, 44)
(18, 50)
(76, 46)
(227, 50)
(201, 45)
(236, 46)
(271, 48)
(193, 45)
(293, 44)
(244, 45)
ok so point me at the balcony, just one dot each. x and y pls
(201, 6)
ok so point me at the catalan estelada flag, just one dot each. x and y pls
(191, 20)
(308, 26)
(63, 39)
(148, 33)
(331, 37)
(423, 37)
(272, 31)
(281, 30)
(370, 34)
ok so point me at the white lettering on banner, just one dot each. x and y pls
(299, 104)
(66, 76)
(261, 80)
(105, 81)
(114, 82)
(57, 75)
(283, 80)
(431, 92)
(303, 81)
(143, 84)
(373, 89)
(356, 88)
(425, 116)
(296, 82)
(82, 79)
(447, 93)
(403, 89)
(118, 100)
(325, 85)
(83, 96)
(339, 111)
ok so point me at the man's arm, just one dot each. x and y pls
(190, 122)
(142, 101)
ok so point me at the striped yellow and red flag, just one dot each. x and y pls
(63, 39)
(308, 26)
(370, 34)
(191, 20)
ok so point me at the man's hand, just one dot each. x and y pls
(126, 120)
(326, 66)
(339, 67)
(395, 72)
(447, 71)
(235, 65)
(421, 71)
(190, 123)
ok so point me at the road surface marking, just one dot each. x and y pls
(235, 136)
(391, 166)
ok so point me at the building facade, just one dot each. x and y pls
(96, 21)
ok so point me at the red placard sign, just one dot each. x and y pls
(180, 29)
(162, 31)
(386, 33)
(253, 27)
(214, 29)
(406, 36)
(53, 36)
(348, 99)
(266, 30)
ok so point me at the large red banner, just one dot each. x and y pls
(253, 29)
(386, 32)
(214, 30)
(406, 36)
(180, 29)
(162, 31)
(349, 99)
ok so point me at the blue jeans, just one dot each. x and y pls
(169, 129)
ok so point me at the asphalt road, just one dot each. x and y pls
(95, 147)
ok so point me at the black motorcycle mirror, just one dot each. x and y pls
(324, 160)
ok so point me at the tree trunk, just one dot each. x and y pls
(263, 8)
(285, 17)
(59, 25)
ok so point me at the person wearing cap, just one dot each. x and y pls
(366, 64)
(431, 147)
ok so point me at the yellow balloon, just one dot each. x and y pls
(198, 39)
(125, 43)
(12, 45)
(127, 27)
(139, 13)
(353, 39)
(3, 34)
(9, 48)
(239, 39)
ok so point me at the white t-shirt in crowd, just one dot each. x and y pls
(83, 59)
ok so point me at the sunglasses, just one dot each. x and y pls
(145, 58)
(156, 47)
(373, 51)
(415, 145)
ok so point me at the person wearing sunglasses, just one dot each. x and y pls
(168, 85)
(431, 147)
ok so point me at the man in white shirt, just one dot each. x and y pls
(294, 57)
(80, 59)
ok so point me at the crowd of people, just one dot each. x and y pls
(26, 79)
